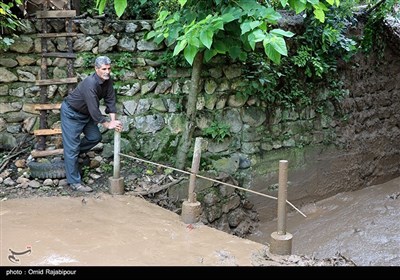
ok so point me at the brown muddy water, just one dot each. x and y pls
(363, 226)
(105, 230)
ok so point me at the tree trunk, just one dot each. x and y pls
(186, 140)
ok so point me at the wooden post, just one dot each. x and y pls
(282, 195)
(281, 241)
(195, 169)
(191, 209)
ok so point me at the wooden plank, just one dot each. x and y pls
(53, 131)
(56, 81)
(54, 35)
(59, 54)
(56, 14)
(45, 153)
(55, 106)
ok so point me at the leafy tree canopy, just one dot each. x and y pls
(224, 26)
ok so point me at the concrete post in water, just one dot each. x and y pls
(281, 241)
(191, 208)
(116, 182)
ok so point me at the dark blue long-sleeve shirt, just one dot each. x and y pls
(85, 98)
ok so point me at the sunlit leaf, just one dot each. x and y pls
(249, 25)
(180, 46)
(282, 32)
(190, 53)
(297, 5)
(272, 54)
(100, 5)
(320, 15)
(206, 38)
(120, 6)
(279, 44)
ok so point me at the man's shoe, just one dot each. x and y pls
(79, 187)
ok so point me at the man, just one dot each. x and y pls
(80, 114)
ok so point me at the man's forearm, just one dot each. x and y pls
(113, 116)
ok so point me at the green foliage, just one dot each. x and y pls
(239, 28)
(151, 75)
(107, 168)
(373, 31)
(169, 61)
(121, 63)
(134, 9)
(88, 59)
(8, 21)
(220, 27)
(86, 173)
(128, 9)
(321, 45)
(217, 131)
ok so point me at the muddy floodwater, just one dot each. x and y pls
(363, 226)
(112, 231)
(105, 230)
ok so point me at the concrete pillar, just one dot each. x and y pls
(191, 212)
(281, 241)
(116, 185)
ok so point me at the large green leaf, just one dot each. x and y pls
(249, 25)
(194, 41)
(206, 37)
(272, 53)
(248, 5)
(190, 53)
(220, 47)
(182, 2)
(208, 54)
(297, 5)
(320, 15)
(279, 44)
(150, 35)
(179, 47)
(282, 32)
(120, 6)
(254, 37)
(235, 51)
(100, 5)
(284, 3)
(271, 15)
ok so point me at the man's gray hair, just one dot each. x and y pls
(101, 60)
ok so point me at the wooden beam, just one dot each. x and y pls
(56, 14)
(45, 153)
(39, 107)
(39, 132)
(56, 81)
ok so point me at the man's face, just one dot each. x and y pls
(104, 71)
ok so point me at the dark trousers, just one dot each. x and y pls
(79, 134)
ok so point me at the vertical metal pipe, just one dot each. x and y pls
(195, 168)
(282, 195)
(117, 148)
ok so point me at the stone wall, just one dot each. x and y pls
(326, 154)
(151, 104)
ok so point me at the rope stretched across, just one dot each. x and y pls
(213, 180)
